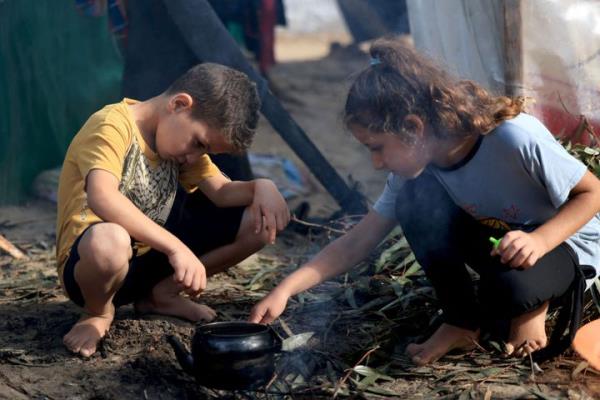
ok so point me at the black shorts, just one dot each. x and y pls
(194, 219)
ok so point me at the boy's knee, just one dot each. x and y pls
(262, 238)
(106, 245)
(252, 240)
(247, 233)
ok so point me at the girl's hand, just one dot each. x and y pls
(269, 209)
(269, 308)
(520, 249)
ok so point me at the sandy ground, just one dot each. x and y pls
(135, 362)
(33, 361)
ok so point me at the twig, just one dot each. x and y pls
(285, 327)
(11, 249)
(476, 344)
(345, 378)
(534, 367)
(25, 364)
(329, 328)
(273, 378)
(299, 221)
(583, 125)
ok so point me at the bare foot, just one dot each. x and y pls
(87, 332)
(446, 338)
(177, 306)
(528, 332)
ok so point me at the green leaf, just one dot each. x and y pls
(496, 346)
(252, 285)
(363, 370)
(390, 254)
(591, 151)
(383, 391)
(406, 262)
(296, 341)
(349, 293)
(466, 394)
(413, 269)
(398, 285)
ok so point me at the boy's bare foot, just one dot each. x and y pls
(177, 306)
(446, 338)
(528, 332)
(87, 332)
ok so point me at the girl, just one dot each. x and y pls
(465, 166)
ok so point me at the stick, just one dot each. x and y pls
(299, 221)
(11, 248)
(343, 380)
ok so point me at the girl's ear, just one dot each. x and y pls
(414, 125)
(180, 102)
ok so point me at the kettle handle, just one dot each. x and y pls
(278, 339)
(185, 359)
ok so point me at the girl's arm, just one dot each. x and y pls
(336, 258)
(522, 249)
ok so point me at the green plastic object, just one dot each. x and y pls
(495, 242)
(57, 67)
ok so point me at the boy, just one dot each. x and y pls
(125, 234)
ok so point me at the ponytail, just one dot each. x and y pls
(401, 81)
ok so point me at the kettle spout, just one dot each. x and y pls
(185, 359)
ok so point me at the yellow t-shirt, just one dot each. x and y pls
(110, 140)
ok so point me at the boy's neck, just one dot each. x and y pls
(145, 114)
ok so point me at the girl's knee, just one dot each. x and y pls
(107, 246)
(511, 295)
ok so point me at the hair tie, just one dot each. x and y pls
(374, 61)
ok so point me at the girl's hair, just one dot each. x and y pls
(401, 81)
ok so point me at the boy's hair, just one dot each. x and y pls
(401, 81)
(224, 98)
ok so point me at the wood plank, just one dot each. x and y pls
(513, 48)
(10, 248)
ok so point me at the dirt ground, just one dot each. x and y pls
(134, 360)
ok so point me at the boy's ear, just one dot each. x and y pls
(180, 102)
(414, 124)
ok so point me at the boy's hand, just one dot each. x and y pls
(520, 249)
(189, 270)
(269, 209)
(269, 308)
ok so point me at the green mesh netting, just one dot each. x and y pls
(56, 68)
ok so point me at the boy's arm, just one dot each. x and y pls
(105, 200)
(226, 193)
(335, 259)
(267, 206)
(522, 249)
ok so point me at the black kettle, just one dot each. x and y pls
(230, 355)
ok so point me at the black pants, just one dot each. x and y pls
(194, 219)
(444, 238)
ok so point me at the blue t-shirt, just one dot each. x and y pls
(518, 178)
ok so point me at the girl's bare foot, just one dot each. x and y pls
(446, 338)
(87, 332)
(528, 332)
(177, 306)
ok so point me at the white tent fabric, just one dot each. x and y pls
(560, 57)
